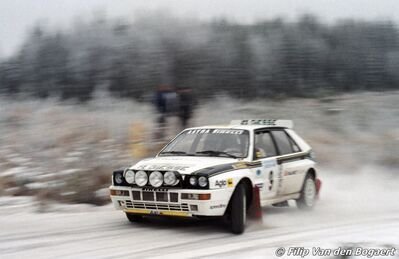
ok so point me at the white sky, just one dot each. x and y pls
(17, 16)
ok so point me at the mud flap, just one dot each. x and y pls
(255, 210)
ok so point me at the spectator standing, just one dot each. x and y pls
(166, 103)
(186, 105)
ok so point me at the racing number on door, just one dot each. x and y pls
(265, 150)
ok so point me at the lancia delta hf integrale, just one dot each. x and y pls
(217, 171)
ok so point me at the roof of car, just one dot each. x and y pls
(251, 124)
(244, 127)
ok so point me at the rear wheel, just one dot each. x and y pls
(238, 210)
(134, 217)
(308, 194)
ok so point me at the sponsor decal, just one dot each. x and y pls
(162, 167)
(199, 131)
(216, 131)
(175, 213)
(280, 180)
(217, 206)
(293, 157)
(269, 163)
(271, 180)
(227, 131)
(155, 212)
(230, 182)
(258, 122)
(221, 183)
(287, 173)
(224, 183)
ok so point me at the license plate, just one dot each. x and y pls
(156, 212)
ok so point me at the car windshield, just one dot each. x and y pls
(232, 143)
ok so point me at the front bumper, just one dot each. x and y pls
(169, 202)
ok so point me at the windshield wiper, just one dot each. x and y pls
(215, 153)
(174, 152)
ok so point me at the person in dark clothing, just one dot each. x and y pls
(166, 104)
(160, 104)
(186, 105)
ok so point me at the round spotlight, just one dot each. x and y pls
(129, 176)
(193, 180)
(141, 178)
(170, 178)
(118, 178)
(156, 179)
(202, 181)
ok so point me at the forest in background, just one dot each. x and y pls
(271, 58)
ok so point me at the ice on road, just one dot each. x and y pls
(359, 208)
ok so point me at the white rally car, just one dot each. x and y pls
(220, 171)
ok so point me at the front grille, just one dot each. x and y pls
(148, 196)
(173, 197)
(156, 206)
(155, 195)
(136, 195)
(162, 196)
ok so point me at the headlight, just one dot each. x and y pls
(129, 176)
(156, 179)
(202, 181)
(193, 180)
(141, 178)
(118, 178)
(170, 178)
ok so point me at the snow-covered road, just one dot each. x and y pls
(361, 208)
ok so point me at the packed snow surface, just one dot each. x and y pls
(355, 209)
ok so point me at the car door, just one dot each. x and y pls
(290, 160)
(268, 174)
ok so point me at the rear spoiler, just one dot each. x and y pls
(271, 123)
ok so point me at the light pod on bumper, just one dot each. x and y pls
(129, 176)
(141, 178)
(170, 178)
(156, 179)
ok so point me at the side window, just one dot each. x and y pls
(283, 142)
(295, 147)
(264, 145)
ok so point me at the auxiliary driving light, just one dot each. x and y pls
(141, 178)
(156, 179)
(170, 178)
(129, 176)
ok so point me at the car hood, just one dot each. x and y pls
(182, 164)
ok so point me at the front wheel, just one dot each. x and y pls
(238, 210)
(308, 194)
(134, 217)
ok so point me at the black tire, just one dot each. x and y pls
(238, 210)
(134, 217)
(308, 194)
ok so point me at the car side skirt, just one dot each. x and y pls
(280, 199)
